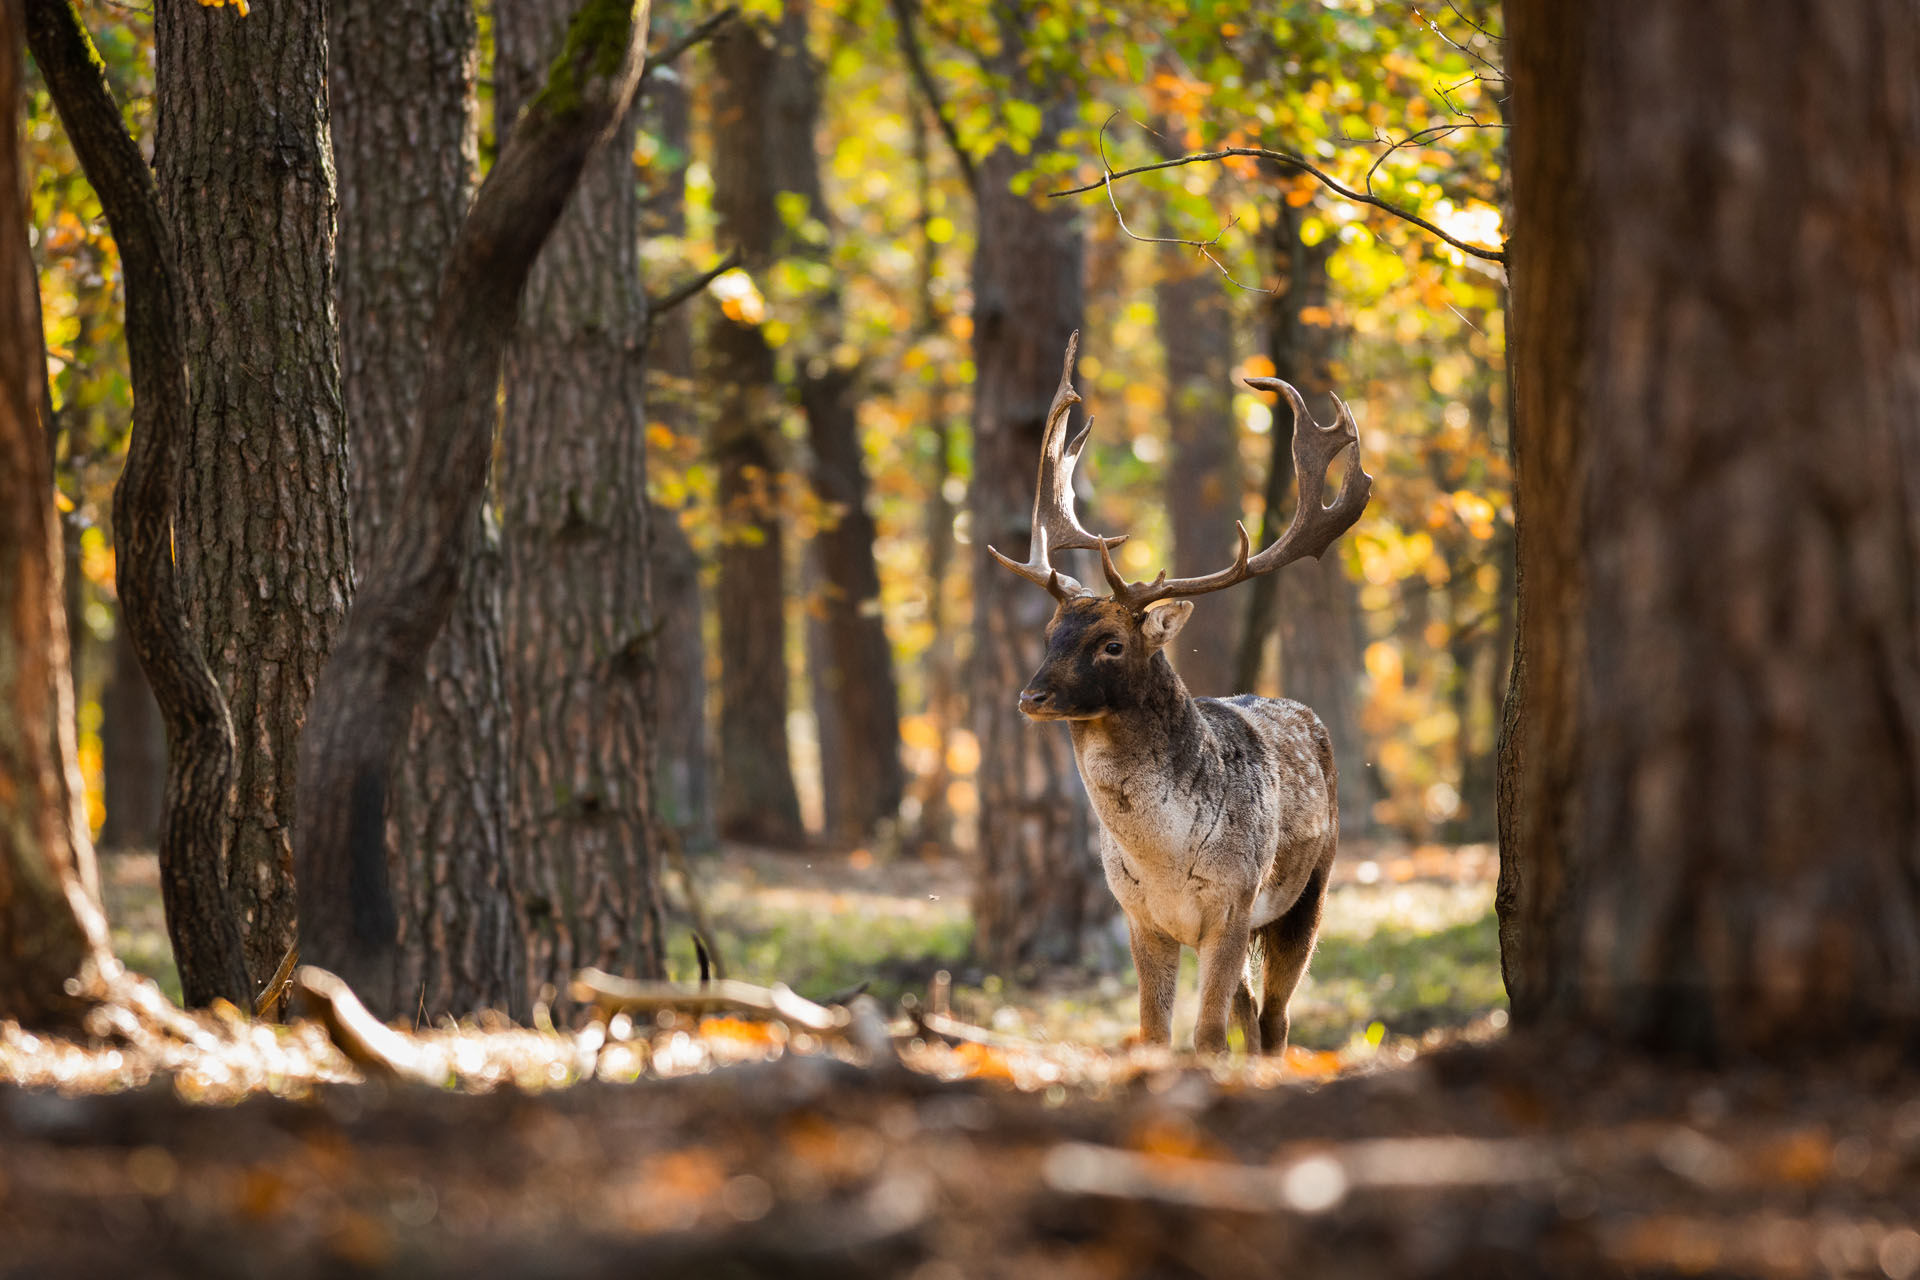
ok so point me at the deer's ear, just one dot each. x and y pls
(1163, 622)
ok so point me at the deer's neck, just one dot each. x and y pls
(1159, 724)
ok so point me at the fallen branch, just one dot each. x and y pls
(274, 996)
(370, 1044)
(610, 995)
(951, 1029)
(1325, 179)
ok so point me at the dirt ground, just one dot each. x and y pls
(1411, 1136)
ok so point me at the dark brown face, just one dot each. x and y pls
(1097, 658)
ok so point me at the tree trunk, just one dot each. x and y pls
(1310, 603)
(199, 790)
(404, 144)
(1039, 895)
(757, 798)
(1203, 466)
(855, 699)
(683, 768)
(365, 700)
(51, 930)
(1711, 832)
(579, 633)
(133, 745)
(246, 174)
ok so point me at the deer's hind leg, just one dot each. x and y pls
(1246, 1013)
(1286, 946)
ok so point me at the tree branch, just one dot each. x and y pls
(706, 31)
(200, 750)
(1302, 163)
(903, 16)
(680, 293)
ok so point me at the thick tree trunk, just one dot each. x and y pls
(757, 798)
(365, 700)
(683, 762)
(1310, 603)
(579, 621)
(1039, 896)
(402, 86)
(133, 746)
(199, 790)
(1203, 464)
(246, 174)
(1712, 791)
(51, 929)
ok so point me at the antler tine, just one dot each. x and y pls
(1056, 526)
(1314, 525)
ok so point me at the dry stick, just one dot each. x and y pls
(377, 1049)
(1302, 163)
(609, 995)
(271, 998)
(365, 696)
(199, 787)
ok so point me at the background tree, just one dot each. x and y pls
(580, 628)
(404, 145)
(1710, 800)
(754, 63)
(244, 159)
(50, 927)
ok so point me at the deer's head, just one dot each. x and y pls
(1099, 651)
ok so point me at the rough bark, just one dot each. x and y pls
(1712, 837)
(364, 703)
(133, 746)
(579, 621)
(757, 798)
(1310, 603)
(50, 927)
(1039, 896)
(1203, 463)
(402, 91)
(201, 920)
(683, 801)
(242, 152)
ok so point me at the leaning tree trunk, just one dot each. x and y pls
(246, 173)
(1310, 603)
(51, 931)
(199, 788)
(1203, 464)
(1038, 893)
(1711, 827)
(757, 798)
(683, 763)
(404, 145)
(365, 700)
(579, 623)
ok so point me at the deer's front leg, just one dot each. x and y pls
(1223, 968)
(1156, 961)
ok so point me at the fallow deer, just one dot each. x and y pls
(1218, 815)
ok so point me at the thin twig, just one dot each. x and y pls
(1476, 26)
(779, 1002)
(1299, 162)
(708, 28)
(680, 293)
(1203, 247)
(903, 17)
(1475, 54)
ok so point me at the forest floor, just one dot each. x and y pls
(721, 1146)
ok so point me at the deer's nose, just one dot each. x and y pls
(1033, 699)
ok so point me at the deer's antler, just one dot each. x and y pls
(1311, 531)
(1056, 527)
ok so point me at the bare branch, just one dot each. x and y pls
(903, 16)
(1203, 247)
(708, 28)
(680, 293)
(1307, 166)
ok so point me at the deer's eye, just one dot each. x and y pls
(1115, 648)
